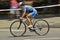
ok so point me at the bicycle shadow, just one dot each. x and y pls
(23, 36)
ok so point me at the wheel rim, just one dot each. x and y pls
(15, 31)
(42, 27)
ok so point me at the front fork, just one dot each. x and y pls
(19, 24)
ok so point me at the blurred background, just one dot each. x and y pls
(52, 14)
(5, 4)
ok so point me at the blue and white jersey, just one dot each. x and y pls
(29, 8)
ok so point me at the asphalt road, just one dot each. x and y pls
(54, 34)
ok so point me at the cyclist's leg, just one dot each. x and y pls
(28, 19)
(30, 15)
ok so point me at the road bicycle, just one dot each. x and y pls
(19, 27)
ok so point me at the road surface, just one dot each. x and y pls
(54, 34)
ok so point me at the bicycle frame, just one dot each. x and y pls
(36, 28)
(21, 20)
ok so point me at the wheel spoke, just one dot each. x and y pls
(42, 27)
(17, 29)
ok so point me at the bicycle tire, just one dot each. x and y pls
(47, 27)
(19, 24)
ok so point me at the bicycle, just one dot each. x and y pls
(19, 27)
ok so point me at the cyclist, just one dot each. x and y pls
(32, 12)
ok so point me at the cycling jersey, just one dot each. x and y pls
(30, 9)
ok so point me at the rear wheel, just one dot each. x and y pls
(42, 27)
(17, 28)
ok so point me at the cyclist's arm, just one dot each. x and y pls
(24, 13)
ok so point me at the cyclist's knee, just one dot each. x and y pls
(27, 16)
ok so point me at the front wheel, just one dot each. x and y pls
(17, 28)
(42, 27)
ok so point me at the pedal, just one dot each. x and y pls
(31, 29)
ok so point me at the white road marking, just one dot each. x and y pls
(9, 30)
(42, 38)
(52, 38)
(56, 38)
